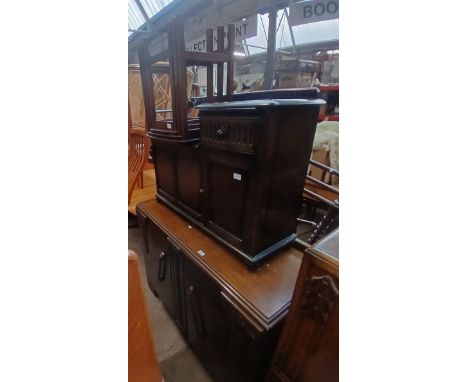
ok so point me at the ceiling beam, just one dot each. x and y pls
(145, 15)
(302, 49)
(162, 19)
(271, 46)
(203, 14)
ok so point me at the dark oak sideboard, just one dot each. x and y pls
(308, 347)
(243, 181)
(231, 316)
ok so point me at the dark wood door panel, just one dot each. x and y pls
(207, 325)
(189, 181)
(228, 193)
(158, 266)
(166, 172)
(223, 340)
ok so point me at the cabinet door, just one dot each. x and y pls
(207, 327)
(228, 187)
(165, 171)
(158, 259)
(176, 264)
(204, 321)
(219, 335)
(189, 180)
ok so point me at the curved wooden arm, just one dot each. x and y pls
(142, 361)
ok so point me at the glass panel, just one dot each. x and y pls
(316, 32)
(258, 43)
(283, 35)
(135, 18)
(151, 7)
(159, 44)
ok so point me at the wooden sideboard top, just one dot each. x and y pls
(326, 252)
(261, 295)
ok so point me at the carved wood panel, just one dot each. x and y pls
(236, 134)
(310, 337)
(319, 296)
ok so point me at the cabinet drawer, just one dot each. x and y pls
(239, 134)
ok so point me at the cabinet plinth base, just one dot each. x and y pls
(251, 260)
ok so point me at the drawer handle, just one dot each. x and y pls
(162, 266)
(222, 132)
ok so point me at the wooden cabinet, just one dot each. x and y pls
(230, 316)
(243, 182)
(308, 347)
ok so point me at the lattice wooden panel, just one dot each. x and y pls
(162, 92)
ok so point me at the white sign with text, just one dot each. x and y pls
(311, 11)
(243, 29)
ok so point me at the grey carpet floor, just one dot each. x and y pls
(178, 363)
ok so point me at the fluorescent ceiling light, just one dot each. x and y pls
(239, 54)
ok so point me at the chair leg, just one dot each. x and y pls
(325, 225)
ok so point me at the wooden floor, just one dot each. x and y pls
(148, 191)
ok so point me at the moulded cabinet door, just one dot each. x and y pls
(203, 313)
(158, 266)
(228, 188)
(176, 264)
(207, 324)
(221, 338)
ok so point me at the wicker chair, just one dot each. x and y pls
(138, 151)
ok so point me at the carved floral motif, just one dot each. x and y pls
(320, 295)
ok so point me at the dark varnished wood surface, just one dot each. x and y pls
(308, 348)
(261, 295)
